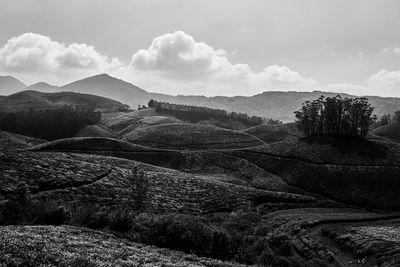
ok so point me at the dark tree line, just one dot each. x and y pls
(49, 124)
(335, 116)
(196, 114)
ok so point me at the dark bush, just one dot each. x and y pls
(186, 233)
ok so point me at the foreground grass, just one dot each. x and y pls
(72, 246)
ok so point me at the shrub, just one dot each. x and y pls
(186, 233)
(138, 190)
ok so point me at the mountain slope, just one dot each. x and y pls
(37, 100)
(10, 85)
(43, 87)
(273, 104)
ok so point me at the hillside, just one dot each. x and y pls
(74, 246)
(10, 85)
(191, 136)
(43, 87)
(26, 100)
(390, 130)
(276, 105)
(96, 130)
(273, 132)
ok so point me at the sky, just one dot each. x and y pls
(208, 47)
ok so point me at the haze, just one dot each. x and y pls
(207, 47)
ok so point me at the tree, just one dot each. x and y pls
(335, 116)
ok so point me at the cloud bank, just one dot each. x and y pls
(174, 63)
(179, 57)
(37, 54)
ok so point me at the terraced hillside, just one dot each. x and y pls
(74, 178)
(273, 132)
(191, 136)
(214, 164)
(358, 172)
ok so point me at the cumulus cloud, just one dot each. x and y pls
(178, 56)
(385, 78)
(32, 52)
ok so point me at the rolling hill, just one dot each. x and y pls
(276, 105)
(391, 131)
(26, 100)
(273, 104)
(190, 136)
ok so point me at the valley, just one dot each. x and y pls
(261, 195)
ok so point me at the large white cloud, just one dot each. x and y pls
(32, 52)
(178, 56)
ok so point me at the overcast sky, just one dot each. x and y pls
(208, 47)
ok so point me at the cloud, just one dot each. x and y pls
(32, 52)
(385, 78)
(394, 50)
(178, 56)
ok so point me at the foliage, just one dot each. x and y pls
(21, 209)
(138, 189)
(335, 116)
(49, 124)
(387, 119)
(196, 114)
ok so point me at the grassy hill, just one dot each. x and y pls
(73, 246)
(212, 164)
(273, 132)
(26, 100)
(191, 136)
(96, 130)
(390, 131)
(357, 172)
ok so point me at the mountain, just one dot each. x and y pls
(273, 104)
(38, 100)
(9, 85)
(43, 87)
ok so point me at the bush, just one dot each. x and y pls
(186, 233)
(138, 190)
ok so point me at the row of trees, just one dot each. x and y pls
(335, 116)
(49, 124)
(195, 114)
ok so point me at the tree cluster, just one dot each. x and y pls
(387, 119)
(335, 116)
(196, 114)
(49, 124)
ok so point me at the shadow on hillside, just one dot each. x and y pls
(365, 148)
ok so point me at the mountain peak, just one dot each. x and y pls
(10, 85)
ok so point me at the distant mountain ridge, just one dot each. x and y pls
(10, 85)
(272, 104)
